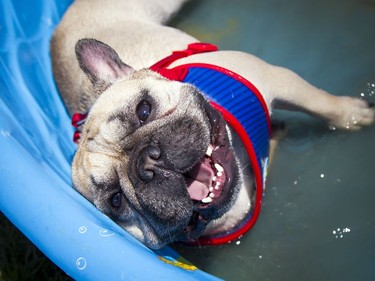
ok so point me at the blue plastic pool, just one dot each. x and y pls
(36, 150)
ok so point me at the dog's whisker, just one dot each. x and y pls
(245, 167)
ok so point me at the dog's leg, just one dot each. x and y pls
(291, 92)
(158, 11)
(284, 89)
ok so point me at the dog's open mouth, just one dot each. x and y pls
(207, 179)
(211, 178)
(211, 182)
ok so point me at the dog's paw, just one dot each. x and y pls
(352, 114)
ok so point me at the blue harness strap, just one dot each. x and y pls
(243, 108)
(238, 99)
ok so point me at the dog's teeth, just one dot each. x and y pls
(217, 187)
(209, 150)
(214, 178)
(212, 195)
(207, 200)
(211, 189)
(219, 174)
(218, 167)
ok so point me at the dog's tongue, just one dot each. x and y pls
(199, 181)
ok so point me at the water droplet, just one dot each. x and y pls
(82, 229)
(322, 175)
(5, 133)
(332, 128)
(369, 91)
(238, 242)
(260, 256)
(106, 233)
(81, 263)
(339, 232)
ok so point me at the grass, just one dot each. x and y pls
(21, 260)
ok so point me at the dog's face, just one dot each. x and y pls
(154, 155)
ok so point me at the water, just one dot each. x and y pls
(317, 220)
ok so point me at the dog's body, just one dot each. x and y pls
(145, 134)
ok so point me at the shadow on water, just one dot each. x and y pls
(317, 218)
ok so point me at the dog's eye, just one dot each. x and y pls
(143, 111)
(116, 200)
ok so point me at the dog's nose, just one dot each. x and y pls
(147, 163)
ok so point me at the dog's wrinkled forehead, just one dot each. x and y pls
(116, 117)
(140, 85)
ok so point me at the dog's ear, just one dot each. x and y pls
(100, 63)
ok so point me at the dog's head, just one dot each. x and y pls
(154, 155)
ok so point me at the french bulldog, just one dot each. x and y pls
(148, 147)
